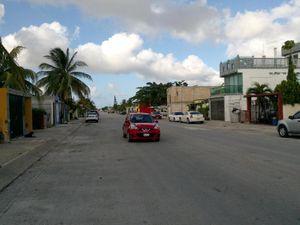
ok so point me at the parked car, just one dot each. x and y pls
(289, 126)
(92, 116)
(176, 116)
(156, 115)
(140, 126)
(192, 117)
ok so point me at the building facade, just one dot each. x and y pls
(53, 107)
(228, 102)
(180, 97)
(15, 114)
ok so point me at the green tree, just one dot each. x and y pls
(152, 94)
(61, 78)
(290, 91)
(290, 88)
(180, 83)
(84, 104)
(289, 45)
(14, 76)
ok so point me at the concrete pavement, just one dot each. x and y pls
(21, 153)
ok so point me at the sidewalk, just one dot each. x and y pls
(240, 126)
(21, 153)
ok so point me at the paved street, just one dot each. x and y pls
(196, 175)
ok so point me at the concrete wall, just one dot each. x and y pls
(271, 77)
(289, 110)
(180, 97)
(46, 103)
(231, 102)
(4, 120)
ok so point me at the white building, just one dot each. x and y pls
(228, 102)
(52, 106)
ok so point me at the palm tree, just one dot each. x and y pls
(262, 101)
(14, 76)
(61, 78)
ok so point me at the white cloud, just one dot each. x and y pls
(195, 21)
(259, 32)
(2, 11)
(94, 92)
(37, 40)
(76, 33)
(123, 53)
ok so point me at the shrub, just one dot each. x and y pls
(38, 118)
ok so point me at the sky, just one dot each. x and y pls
(127, 43)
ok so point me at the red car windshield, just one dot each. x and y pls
(141, 118)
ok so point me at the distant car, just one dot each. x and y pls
(176, 116)
(92, 116)
(140, 126)
(289, 126)
(156, 115)
(192, 117)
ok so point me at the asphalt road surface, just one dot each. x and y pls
(194, 176)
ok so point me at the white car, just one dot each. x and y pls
(92, 116)
(289, 126)
(176, 116)
(192, 117)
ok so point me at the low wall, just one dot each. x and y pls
(289, 110)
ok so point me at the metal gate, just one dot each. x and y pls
(16, 105)
(217, 109)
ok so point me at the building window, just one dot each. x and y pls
(234, 83)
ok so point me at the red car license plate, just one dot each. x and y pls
(146, 135)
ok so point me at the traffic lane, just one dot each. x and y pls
(265, 164)
(251, 168)
(254, 164)
(98, 177)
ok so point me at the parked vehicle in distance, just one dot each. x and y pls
(176, 116)
(156, 115)
(140, 126)
(92, 116)
(192, 117)
(289, 126)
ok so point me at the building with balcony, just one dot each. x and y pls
(240, 73)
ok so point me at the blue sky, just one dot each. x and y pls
(130, 42)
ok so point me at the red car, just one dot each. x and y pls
(156, 115)
(141, 126)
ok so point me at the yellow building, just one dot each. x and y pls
(15, 114)
(180, 97)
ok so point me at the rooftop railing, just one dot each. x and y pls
(232, 66)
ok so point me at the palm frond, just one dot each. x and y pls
(16, 51)
(82, 75)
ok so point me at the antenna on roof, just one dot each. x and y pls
(275, 53)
